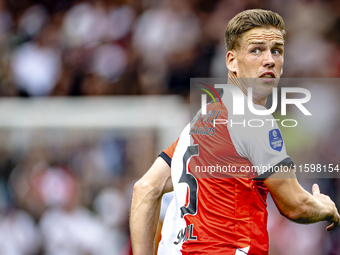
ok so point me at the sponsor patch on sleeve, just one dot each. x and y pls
(275, 139)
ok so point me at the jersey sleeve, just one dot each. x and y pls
(169, 152)
(263, 147)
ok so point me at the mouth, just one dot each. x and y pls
(267, 75)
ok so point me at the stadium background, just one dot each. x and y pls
(91, 91)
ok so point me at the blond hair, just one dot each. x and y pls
(249, 19)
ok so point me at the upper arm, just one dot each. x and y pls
(158, 177)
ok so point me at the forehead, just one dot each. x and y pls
(262, 34)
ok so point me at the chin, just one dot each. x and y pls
(272, 82)
(264, 87)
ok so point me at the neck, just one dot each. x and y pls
(234, 80)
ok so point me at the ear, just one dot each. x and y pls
(231, 61)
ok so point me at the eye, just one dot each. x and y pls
(256, 50)
(277, 51)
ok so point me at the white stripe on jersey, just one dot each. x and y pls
(173, 222)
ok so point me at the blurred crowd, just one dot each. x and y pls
(124, 47)
(69, 194)
(72, 198)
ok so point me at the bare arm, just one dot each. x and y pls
(146, 204)
(297, 204)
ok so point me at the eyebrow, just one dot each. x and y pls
(276, 44)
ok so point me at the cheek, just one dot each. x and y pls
(253, 59)
(279, 63)
(251, 62)
(278, 59)
(248, 64)
(246, 61)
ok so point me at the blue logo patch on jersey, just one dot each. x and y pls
(275, 139)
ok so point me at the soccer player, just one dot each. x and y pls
(224, 212)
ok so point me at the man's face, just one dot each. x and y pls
(260, 56)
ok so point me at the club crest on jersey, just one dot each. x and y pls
(275, 139)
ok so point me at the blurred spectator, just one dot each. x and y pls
(26, 185)
(40, 58)
(68, 228)
(71, 232)
(120, 21)
(6, 22)
(112, 209)
(109, 61)
(157, 36)
(32, 20)
(18, 234)
(307, 26)
(83, 25)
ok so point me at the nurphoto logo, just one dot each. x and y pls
(239, 103)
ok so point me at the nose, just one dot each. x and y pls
(268, 60)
